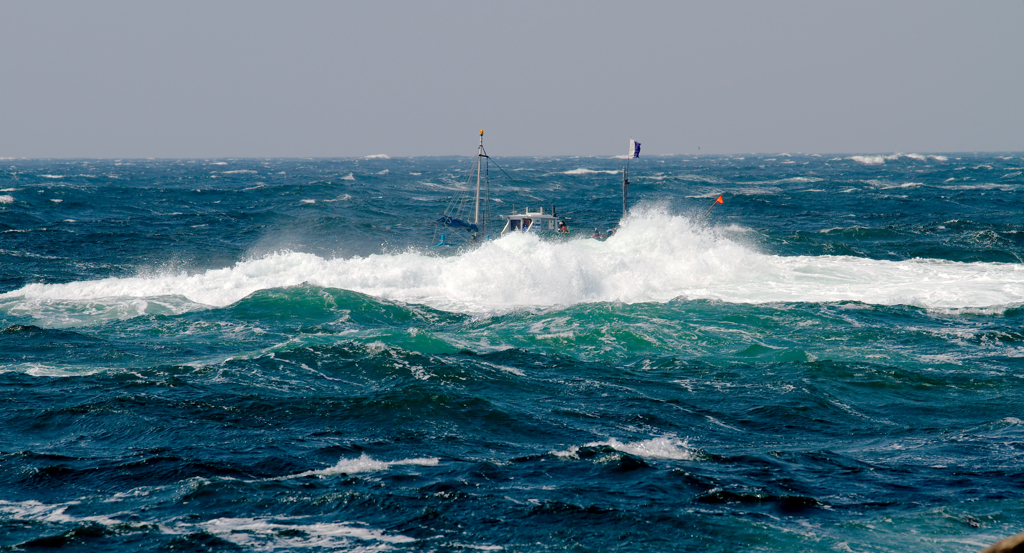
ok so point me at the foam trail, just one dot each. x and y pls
(582, 171)
(365, 463)
(654, 257)
(655, 448)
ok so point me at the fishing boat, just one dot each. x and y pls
(525, 221)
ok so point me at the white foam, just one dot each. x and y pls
(880, 159)
(654, 257)
(582, 171)
(238, 171)
(378, 156)
(261, 534)
(795, 180)
(365, 463)
(49, 371)
(655, 448)
(868, 160)
(307, 201)
(51, 513)
(348, 177)
(6, 199)
(266, 535)
(53, 176)
(56, 201)
(384, 172)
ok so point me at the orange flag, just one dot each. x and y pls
(717, 201)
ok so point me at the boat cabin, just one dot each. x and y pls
(531, 221)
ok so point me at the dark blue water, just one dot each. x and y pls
(267, 354)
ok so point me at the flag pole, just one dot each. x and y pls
(717, 201)
(625, 184)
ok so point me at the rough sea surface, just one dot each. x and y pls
(268, 355)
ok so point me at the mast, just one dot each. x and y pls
(479, 158)
(634, 151)
(625, 178)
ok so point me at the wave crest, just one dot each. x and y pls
(654, 257)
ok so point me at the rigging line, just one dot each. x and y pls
(457, 201)
(487, 197)
(503, 171)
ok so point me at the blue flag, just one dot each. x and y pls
(634, 148)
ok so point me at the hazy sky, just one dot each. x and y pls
(254, 79)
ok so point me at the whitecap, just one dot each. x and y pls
(582, 171)
(655, 448)
(258, 533)
(378, 156)
(365, 463)
(285, 533)
(654, 257)
(6, 199)
(868, 160)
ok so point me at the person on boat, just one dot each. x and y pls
(526, 224)
(562, 228)
(597, 234)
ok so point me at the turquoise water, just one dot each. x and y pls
(267, 354)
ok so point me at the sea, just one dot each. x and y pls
(284, 354)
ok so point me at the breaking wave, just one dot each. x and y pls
(654, 257)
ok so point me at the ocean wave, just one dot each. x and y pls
(582, 171)
(701, 178)
(377, 156)
(269, 534)
(6, 199)
(868, 160)
(48, 370)
(881, 159)
(365, 463)
(655, 448)
(654, 257)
